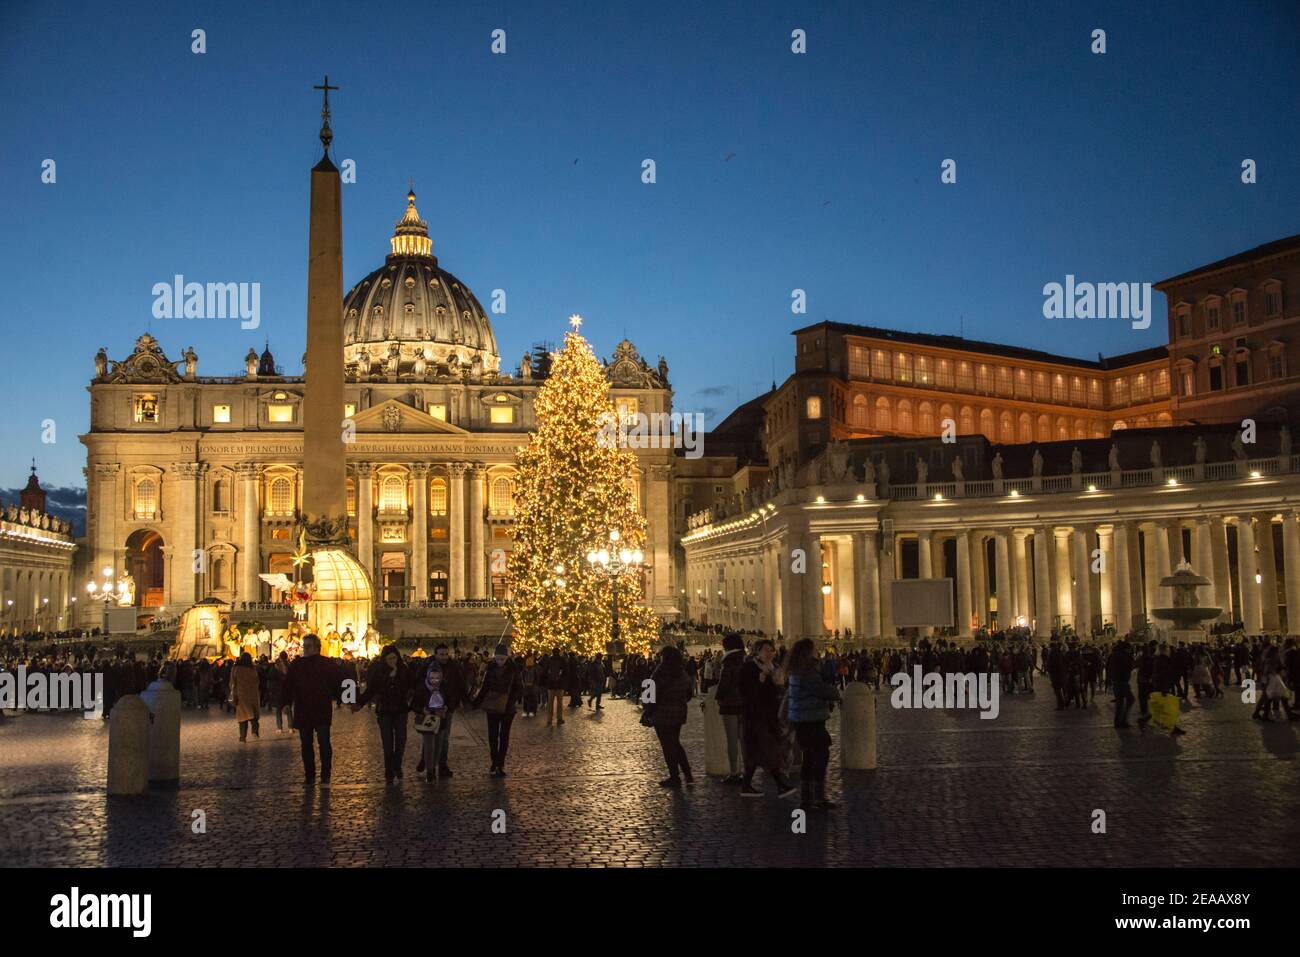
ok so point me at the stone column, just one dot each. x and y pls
(870, 574)
(366, 517)
(791, 610)
(924, 566)
(1061, 568)
(108, 506)
(1105, 594)
(250, 558)
(813, 601)
(1005, 585)
(1203, 561)
(1221, 569)
(979, 578)
(182, 523)
(1165, 552)
(1291, 569)
(659, 554)
(477, 573)
(887, 587)
(1151, 534)
(456, 531)
(1247, 564)
(1123, 542)
(1044, 605)
(1020, 569)
(420, 531)
(964, 609)
(1082, 572)
(1268, 571)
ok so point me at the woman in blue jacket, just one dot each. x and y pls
(810, 697)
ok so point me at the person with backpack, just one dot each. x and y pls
(501, 690)
(729, 700)
(809, 699)
(666, 713)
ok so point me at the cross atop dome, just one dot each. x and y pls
(326, 134)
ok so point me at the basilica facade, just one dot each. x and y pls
(194, 483)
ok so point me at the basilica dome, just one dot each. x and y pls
(412, 318)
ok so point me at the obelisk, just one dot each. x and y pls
(324, 496)
(342, 595)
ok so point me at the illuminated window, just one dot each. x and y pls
(1119, 392)
(438, 497)
(282, 497)
(392, 494)
(943, 377)
(987, 426)
(880, 365)
(627, 408)
(349, 409)
(279, 413)
(1040, 385)
(1162, 384)
(221, 413)
(146, 408)
(146, 498)
(1026, 428)
(1058, 388)
(859, 362)
(926, 422)
(905, 416)
(503, 498)
(1008, 428)
(352, 497)
(438, 412)
(902, 367)
(984, 379)
(884, 421)
(502, 415)
(967, 420)
(923, 370)
(813, 409)
(1077, 396)
(860, 414)
(965, 377)
(1004, 381)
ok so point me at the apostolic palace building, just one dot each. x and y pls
(1053, 491)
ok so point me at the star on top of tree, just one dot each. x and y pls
(575, 320)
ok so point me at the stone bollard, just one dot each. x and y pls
(164, 703)
(858, 728)
(715, 737)
(128, 746)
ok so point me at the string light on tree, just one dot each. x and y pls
(573, 490)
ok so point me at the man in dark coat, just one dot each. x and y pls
(730, 702)
(1120, 670)
(554, 677)
(312, 683)
(760, 694)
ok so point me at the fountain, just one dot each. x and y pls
(1186, 615)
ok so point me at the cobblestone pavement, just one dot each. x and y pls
(950, 789)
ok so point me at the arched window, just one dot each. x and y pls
(904, 416)
(946, 417)
(1026, 428)
(927, 419)
(218, 574)
(146, 498)
(438, 497)
(282, 497)
(503, 498)
(1062, 428)
(987, 428)
(1008, 428)
(392, 494)
(860, 414)
(1044, 429)
(884, 421)
(1164, 418)
(967, 426)
(1080, 429)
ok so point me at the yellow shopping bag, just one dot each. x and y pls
(1164, 710)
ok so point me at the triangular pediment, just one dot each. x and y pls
(396, 418)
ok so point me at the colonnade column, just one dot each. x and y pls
(924, 567)
(1164, 566)
(979, 579)
(456, 531)
(1062, 550)
(887, 586)
(814, 604)
(1251, 617)
(365, 518)
(1203, 561)
(1044, 604)
(420, 531)
(1006, 588)
(1220, 567)
(870, 574)
(250, 564)
(1082, 572)
(477, 573)
(1267, 571)
(1291, 569)
(1021, 571)
(107, 509)
(963, 585)
(1123, 580)
(1151, 565)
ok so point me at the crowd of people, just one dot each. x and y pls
(774, 702)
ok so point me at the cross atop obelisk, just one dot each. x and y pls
(326, 134)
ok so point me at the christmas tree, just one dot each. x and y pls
(573, 490)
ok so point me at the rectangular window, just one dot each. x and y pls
(221, 413)
(502, 415)
(943, 379)
(859, 362)
(923, 370)
(349, 409)
(880, 365)
(1058, 388)
(279, 413)
(1119, 393)
(1243, 371)
(1216, 377)
(1040, 386)
(1239, 312)
(984, 380)
(146, 408)
(1272, 302)
(1212, 318)
(814, 410)
(902, 367)
(438, 412)
(1162, 384)
(1276, 366)
(1184, 325)
(965, 377)
(1189, 383)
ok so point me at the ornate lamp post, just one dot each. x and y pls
(613, 563)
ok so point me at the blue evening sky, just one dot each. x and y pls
(775, 171)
